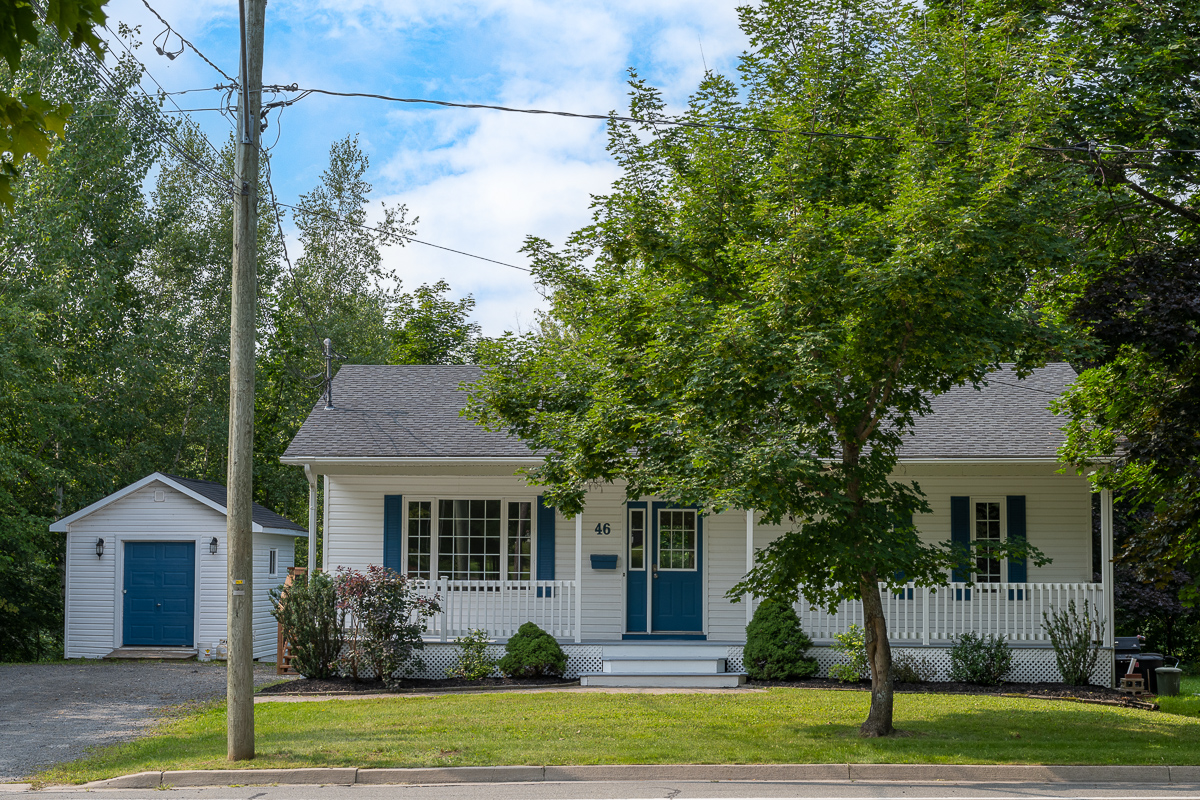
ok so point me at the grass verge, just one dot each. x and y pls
(1187, 703)
(777, 726)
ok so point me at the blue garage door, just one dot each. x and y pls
(160, 593)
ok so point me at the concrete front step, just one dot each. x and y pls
(672, 680)
(165, 653)
(665, 649)
(658, 665)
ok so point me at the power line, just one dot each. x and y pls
(1084, 147)
(195, 49)
(405, 237)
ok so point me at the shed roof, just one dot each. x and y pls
(209, 493)
(413, 412)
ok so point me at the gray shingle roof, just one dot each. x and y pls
(1008, 418)
(412, 411)
(401, 412)
(216, 492)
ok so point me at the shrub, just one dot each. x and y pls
(853, 645)
(908, 668)
(776, 645)
(312, 625)
(474, 663)
(531, 653)
(980, 659)
(1076, 639)
(386, 620)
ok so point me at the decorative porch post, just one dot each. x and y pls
(579, 577)
(325, 528)
(749, 560)
(312, 520)
(1106, 574)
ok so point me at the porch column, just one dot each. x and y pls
(325, 528)
(579, 577)
(1106, 573)
(312, 520)
(749, 560)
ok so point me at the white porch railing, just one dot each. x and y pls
(500, 607)
(1011, 610)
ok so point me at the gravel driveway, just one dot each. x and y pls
(53, 712)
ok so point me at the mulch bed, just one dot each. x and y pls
(349, 686)
(1042, 691)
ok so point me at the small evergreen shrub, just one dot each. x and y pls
(1076, 639)
(979, 659)
(531, 653)
(474, 663)
(853, 646)
(908, 668)
(312, 625)
(776, 646)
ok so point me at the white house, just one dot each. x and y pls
(636, 591)
(146, 568)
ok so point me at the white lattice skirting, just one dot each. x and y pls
(440, 659)
(1030, 664)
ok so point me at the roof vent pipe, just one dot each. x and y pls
(328, 375)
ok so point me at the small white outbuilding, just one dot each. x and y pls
(146, 567)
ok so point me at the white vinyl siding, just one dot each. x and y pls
(94, 600)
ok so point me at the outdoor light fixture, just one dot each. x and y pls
(99, 548)
(212, 546)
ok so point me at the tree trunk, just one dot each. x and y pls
(879, 656)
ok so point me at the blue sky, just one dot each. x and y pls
(479, 181)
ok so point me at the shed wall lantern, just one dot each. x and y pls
(212, 546)
(99, 548)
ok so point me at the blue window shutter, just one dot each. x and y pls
(1017, 572)
(393, 527)
(545, 540)
(960, 529)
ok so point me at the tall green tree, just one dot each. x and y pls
(1131, 113)
(80, 335)
(756, 317)
(29, 121)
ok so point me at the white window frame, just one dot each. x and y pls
(273, 562)
(434, 553)
(1001, 501)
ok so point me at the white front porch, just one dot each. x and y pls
(915, 615)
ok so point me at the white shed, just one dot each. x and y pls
(146, 567)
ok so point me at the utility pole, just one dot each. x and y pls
(240, 591)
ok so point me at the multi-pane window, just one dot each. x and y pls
(637, 538)
(676, 539)
(420, 538)
(272, 562)
(469, 539)
(520, 541)
(987, 529)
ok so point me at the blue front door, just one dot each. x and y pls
(676, 586)
(160, 594)
(636, 554)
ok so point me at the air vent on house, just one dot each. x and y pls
(159, 496)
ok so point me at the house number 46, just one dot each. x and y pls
(603, 530)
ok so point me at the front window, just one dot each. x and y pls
(469, 540)
(987, 529)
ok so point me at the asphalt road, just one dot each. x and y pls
(53, 712)
(648, 790)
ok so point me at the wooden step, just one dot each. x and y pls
(161, 653)
(672, 680)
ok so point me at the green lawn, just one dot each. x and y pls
(780, 725)
(1188, 701)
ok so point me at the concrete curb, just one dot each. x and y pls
(905, 773)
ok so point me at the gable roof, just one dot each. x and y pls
(400, 412)
(209, 493)
(412, 412)
(1008, 418)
